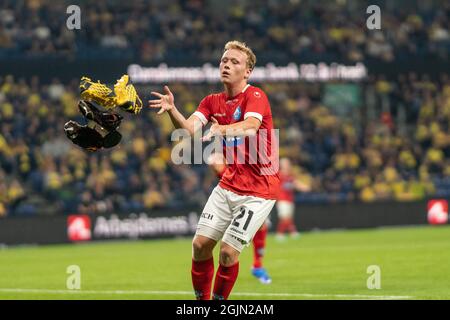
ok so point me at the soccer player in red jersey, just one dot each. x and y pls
(248, 189)
(285, 203)
(218, 164)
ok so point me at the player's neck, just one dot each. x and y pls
(233, 90)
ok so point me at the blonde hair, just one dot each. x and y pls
(251, 58)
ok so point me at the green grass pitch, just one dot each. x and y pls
(414, 263)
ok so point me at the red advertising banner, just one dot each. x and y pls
(79, 227)
(437, 211)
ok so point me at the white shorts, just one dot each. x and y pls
(233, 218)
(285, 209)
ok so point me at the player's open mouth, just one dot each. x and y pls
(225, 73)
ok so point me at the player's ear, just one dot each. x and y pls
(248, 71)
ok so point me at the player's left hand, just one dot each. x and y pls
(166, 101)
(215, 130)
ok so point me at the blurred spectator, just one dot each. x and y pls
(342, 160)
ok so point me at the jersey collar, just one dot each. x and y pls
(243, 90)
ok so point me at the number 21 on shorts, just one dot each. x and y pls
(243, 219)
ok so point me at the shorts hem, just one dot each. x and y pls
(207, 235)
(231, 244)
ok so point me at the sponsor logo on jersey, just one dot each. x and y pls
(231, 101)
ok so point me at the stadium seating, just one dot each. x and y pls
(401, 157)
(175, 31)
(393, 144)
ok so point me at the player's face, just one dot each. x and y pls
(233, 67)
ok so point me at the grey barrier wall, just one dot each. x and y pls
(33, 230)
(169, 223)
(359, 215)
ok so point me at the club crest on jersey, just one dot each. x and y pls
(237, 113)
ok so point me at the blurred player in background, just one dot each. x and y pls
(218, 163)
(285, 203)
(247, 191)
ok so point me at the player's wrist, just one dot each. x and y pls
(171, 108)
(222, 130)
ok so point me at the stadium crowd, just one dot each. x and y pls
(184, 31)
(398, 149)
(392, 145)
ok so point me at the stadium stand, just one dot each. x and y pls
(392, 145)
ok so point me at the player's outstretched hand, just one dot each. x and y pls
(215, 130)
(165, 102)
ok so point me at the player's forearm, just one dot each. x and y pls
(179, 121)
(248, 127)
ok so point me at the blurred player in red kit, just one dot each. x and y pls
(247, 191)
(217, 163)
(285, 203)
